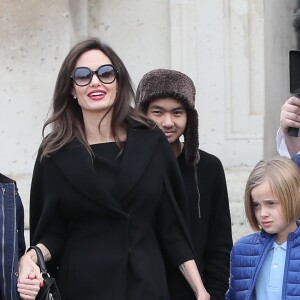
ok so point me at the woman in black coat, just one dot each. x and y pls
(105, 189)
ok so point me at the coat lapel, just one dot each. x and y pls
(140, 144)
(76, 164)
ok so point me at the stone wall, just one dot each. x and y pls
(236, 51)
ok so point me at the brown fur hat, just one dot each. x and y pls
(164, 83)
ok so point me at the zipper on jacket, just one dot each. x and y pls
(258, 268)
(284, 280)
(2, 242)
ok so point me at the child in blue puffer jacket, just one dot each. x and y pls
(265, 264)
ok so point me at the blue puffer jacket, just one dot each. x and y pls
(246, 260)
(11, 237)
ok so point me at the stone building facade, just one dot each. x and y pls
(236, 51)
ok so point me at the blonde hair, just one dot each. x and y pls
(283, 176)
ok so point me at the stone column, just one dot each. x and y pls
(79, 16)
(280, 38)
(235, 51)
(34, 37)
(221, 46)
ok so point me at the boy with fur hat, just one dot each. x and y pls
(168, 97)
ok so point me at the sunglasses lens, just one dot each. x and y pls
(107, 74)
(82, 76)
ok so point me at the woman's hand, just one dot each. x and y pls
(28, 288)
(30, 277)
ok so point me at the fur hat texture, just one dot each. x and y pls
(164, 83)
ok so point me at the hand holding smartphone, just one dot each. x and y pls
(294, 59)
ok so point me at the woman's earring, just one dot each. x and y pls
(74, 97)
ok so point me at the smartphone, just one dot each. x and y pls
(294, 72)
(294, 58)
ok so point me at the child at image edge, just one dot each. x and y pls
(265, 264)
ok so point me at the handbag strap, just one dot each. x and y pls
(40, 258)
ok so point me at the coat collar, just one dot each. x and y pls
(77, 165)
(141, 142)
(4, 179)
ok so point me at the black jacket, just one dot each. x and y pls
(211, 234)
(106, 245)
(12, 241)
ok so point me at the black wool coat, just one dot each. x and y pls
(108, 245)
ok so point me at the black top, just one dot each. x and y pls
(211, 233)
(107, 162)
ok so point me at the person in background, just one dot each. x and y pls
(168, 97)
(105, 188)
(12, 241)
(289, 145)
(265, 264)
(289, 117)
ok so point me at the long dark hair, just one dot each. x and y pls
(67, 120)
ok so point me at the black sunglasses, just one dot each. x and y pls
(83, 76)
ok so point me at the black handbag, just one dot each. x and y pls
(50, 290)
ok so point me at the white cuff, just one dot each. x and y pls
(281, 145)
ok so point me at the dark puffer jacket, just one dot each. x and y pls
(247, 257)
(11, 237)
